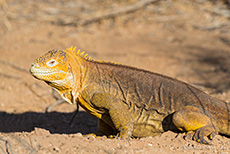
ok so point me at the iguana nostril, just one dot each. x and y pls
(35, 65)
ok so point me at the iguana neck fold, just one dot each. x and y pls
(76, 82)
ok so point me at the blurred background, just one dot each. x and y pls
(187, 40)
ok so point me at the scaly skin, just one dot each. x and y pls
(131, 101)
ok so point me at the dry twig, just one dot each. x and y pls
(60, 101)
(8, 146)
(212, 28)
(4, 7)
(74, 115)
(3, 150)
(14, 66)
(10, 76)
(112, 14)
(27, 146)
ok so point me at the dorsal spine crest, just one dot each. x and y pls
(79, 53)
(85, 56)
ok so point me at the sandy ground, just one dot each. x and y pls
(189, 41)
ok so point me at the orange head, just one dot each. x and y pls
(53, 68)
(63, 70)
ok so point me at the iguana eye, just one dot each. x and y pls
(52, 63)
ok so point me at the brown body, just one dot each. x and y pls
(140, 103)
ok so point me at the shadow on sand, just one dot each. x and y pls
(55, 122)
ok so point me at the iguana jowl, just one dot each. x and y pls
(131, 101)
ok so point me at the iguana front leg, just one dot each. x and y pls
(192, 120)
(121, 118)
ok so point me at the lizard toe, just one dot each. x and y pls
(188, 135)
(212, 135)
(203, 132)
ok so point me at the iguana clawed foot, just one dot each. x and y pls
(204, 132)
(125, 134)
(200, 134)
(197, 124)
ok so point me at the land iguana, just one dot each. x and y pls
(129, 101)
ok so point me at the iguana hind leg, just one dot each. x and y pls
(192, 120)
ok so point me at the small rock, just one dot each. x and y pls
(90, 138)
(150, 144)
(41, 132)
(79, 134)
(56, 149)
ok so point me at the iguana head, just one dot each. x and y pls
(61, 70)
(52, 67)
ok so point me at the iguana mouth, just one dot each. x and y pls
(37, 72)
(43, 73)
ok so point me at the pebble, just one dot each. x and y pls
(56, 149)
(91, 138)
(79, 134)
(150, 144)
(40, 131)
